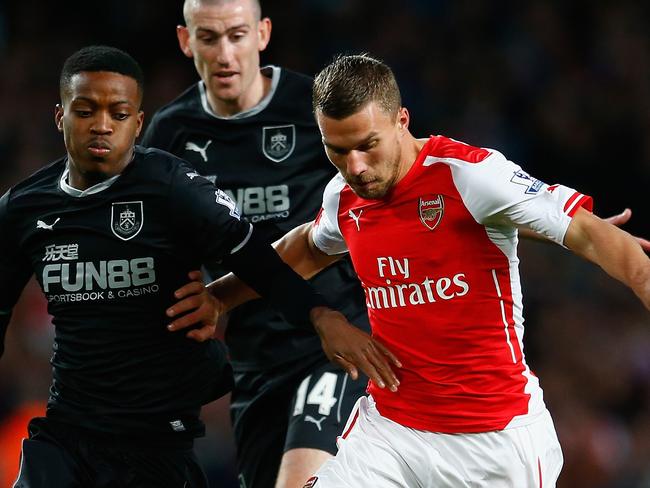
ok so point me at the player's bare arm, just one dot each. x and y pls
(618, 220)
(613, 249)
(296, 248)
(343, 343)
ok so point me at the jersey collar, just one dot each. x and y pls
(270, 70)
(74, 192)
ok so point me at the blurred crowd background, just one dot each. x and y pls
(561, 87)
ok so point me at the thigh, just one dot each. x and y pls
(46, 460)
(522, 457)
(370, 454)
(259, 406)
(320, 406)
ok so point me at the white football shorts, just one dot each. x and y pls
(375, 451)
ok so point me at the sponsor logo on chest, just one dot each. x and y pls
(401, 290)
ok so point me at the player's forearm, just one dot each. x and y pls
(231, 291)
(297, 249)
(614, 250)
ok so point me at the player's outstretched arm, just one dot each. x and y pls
(613, 249)
(296, 248)
(265, 274)
(617, 220)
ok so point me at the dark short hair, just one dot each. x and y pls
(100, 58)
(350, 82)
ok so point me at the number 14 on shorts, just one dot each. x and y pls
(321, 394)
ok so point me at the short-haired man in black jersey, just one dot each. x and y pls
(252, 130)
(110, 231)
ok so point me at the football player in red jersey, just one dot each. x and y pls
(432, 226)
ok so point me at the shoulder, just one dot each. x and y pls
(295, 79)
(156, 164)
(446, 149)
(334, 188)
(44, 179)
(293, 95)
(186, 102)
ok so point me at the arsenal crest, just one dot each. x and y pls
(278, 142)
(126, 219)
(431, 208)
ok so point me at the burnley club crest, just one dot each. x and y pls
(278, 142)
(126, 219)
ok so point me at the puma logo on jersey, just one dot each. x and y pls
(309, 418)
(355, 217)
(42, 225)
(193, 146)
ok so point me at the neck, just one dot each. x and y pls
(260, 87)
(82, 180)
(411, 149)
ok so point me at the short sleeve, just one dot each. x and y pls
(498, 192)
(326, 233)
(206, 216)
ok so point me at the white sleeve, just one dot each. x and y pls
(498, 192)
(326, 233)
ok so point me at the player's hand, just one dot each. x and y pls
(621, 219)
(203, 309)
(353, 349)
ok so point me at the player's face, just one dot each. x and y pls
(225, 40)
(100, 120)
(366, 148)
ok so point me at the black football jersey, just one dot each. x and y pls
(270, 161)
(108, 263)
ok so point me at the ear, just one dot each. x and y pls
(183, 35)
(58, 116)
(403, 118)
(263, 33)
(140, 121)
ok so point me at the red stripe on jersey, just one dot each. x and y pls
(318, 216)
(570, 201)
(449, 148)
(585, 202)
(539, 467)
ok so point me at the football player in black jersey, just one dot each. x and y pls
(110, 231)
(252, 131)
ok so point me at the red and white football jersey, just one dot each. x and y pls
(437, 260)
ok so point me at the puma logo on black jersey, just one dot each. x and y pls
(309, 418)
(42, 225)
(193, 146)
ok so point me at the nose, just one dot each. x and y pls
(224, 51)
(355, 163)
(102, 123)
